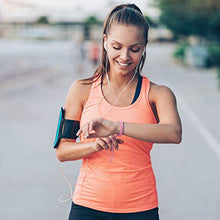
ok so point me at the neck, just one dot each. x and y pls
(120, 81)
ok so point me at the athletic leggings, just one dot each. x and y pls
(78, 212)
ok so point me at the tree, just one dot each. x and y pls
(191, 17)
(88, 22)
(43, 20)
(151, 22)
(92, 20)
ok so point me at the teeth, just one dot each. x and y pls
(123, 64)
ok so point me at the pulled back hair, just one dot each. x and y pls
(125, 14)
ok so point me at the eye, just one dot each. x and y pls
(116, 48)
(135, 50)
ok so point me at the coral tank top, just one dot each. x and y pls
(127, 184)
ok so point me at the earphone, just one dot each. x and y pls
(69, 197)
(144, 51)
(105, 45)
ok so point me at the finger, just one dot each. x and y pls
(109, 142)
(114, 142)
(120, 141)
(91, 126)
(85, 130)
(93, 135)
(79, 132)
(99, 145)
(103, 143)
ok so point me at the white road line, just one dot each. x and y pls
(200, 127)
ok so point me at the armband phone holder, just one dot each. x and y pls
(66, 128)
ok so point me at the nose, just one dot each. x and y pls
(124, 55)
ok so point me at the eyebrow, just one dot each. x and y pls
(114, 41)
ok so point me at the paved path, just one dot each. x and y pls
(34, 80)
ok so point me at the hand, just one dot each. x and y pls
(99, 128)
(107, 143)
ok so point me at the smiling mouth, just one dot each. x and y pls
(123, 64)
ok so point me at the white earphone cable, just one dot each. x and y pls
(104, 95)
(69, 185)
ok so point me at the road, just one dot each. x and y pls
(34, 80)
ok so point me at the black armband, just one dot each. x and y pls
(65, 129)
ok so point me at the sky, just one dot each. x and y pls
(77, 10)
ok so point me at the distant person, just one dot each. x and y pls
(94, 53)
(121, 113)
(80, 52)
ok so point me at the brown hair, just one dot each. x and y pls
(128, 14)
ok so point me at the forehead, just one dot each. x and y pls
(126, 34)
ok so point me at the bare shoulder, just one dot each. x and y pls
(158, 92)
(76, 98)
(80, 89)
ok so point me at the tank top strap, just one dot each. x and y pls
(146, 91)
(146, 88)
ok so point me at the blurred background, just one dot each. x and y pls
(46, 45)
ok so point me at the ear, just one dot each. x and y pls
(105, 41)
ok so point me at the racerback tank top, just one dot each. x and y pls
(127, 184)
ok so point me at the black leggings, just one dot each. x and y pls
(78, 212)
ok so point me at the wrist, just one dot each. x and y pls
(93, 147)
(117, 128)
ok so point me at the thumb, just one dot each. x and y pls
(93, 135)
(79, 132)
(120, 141)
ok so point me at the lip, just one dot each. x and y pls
(121, 64)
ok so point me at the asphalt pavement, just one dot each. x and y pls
(34, 80)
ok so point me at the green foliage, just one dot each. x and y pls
(218, 77)
(43, 20)
(191, 17)
(92, 20)
(218, 73)
(151, 22)
(180, 51)
(214, 55)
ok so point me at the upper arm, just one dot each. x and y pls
(166, 105)
(76, 99)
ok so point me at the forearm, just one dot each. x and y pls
(155, 133)
(69, 151)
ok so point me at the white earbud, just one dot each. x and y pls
(144, 51)
(105, 45)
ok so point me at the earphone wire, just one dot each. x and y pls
(116, 100)
(68, 183)
(104, 95)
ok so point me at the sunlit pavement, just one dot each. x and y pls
(34, 80)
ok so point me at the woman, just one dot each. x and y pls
(116, 180)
